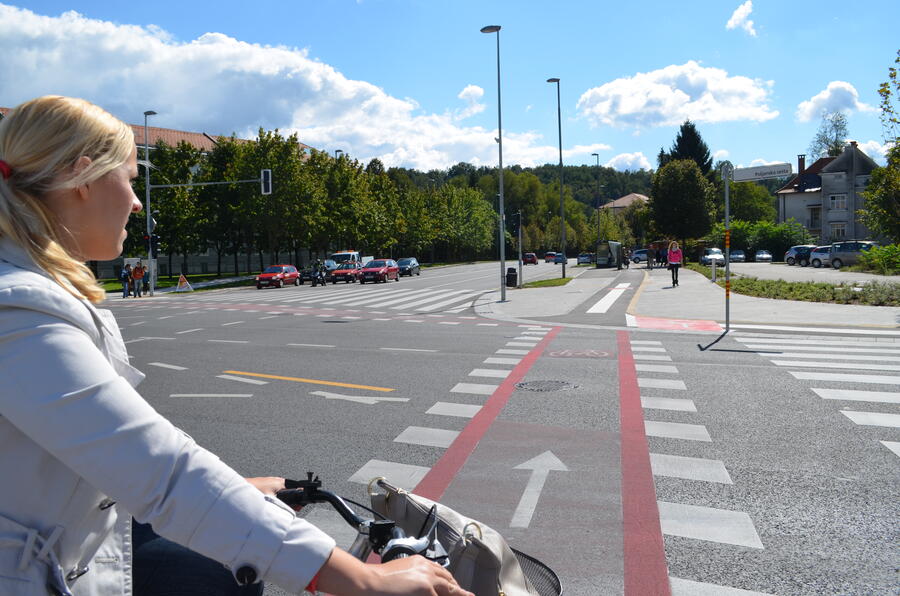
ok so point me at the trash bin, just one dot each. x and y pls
(512, 277)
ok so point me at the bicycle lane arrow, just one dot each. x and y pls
(541, 467)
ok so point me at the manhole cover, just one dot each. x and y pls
(546, 386)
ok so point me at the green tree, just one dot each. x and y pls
(881, 211)
(681, 200)
(750, 202)
(831, 136)
(688, 145)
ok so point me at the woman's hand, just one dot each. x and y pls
(343, 575)
(268, 485)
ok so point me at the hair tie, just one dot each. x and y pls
(5, 170)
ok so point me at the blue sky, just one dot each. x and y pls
(413, 82)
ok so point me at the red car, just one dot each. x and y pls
(549, 257)
(346, 272)
(278, 276)
(379, 270)
(529, 258)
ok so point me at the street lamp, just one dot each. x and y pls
(502, 236)
(147, 211)
(336, 151)
(597, 155)
(562, 204)
(520, 248)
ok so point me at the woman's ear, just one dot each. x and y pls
(81, 164)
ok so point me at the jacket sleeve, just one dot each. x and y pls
(59, 390)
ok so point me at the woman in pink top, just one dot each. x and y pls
(674, 261)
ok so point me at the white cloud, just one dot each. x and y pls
(669, 96)
(629, 161)
(471, 95)
(219, 85)
(759, 162)
(876, 150)
(740, 18)
(721, 154)
(839, 96)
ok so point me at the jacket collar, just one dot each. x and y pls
(16, 255)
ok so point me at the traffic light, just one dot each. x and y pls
(265, 182)
(154, 246)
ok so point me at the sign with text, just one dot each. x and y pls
(774, 170)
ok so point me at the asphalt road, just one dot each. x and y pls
(754, 478)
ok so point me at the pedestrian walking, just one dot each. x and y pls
(125, 278)
(83, 452)
(674, 258)
(137, 276)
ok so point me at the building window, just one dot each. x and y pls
(838, 201)
(815, 218)
(838, 231)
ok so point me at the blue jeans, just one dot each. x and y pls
(125, 291)
(163, 568)
(137, 287)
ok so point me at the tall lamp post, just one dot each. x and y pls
(562, 204)
(336, 151)
(597, 155)
(520, 248)
(502, 236)
(147, 211)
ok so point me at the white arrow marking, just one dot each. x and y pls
(541, 466)
(361, 399)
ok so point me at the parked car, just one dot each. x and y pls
(308, 273)
(737, 256)
(529, 258)
(346, 272)
(847, 253)
(560, 258)
(798, 254)
(639, 256)
(278, 276)
(586, 257)
(820, 255)
(763, 256)
(712, 255)
(380, 270)
(549, 257)
(409, 266)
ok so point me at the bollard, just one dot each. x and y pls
(713, 271)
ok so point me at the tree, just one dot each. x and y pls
(881, 212)
(831, 136)
(681, 200)
(688, 145)
(750, 202)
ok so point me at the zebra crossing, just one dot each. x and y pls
(447, 300)
(870, 363)
(691, 521)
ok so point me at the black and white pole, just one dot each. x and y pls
(727, 172)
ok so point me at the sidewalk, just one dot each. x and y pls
(695, 298)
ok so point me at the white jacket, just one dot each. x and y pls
(75, 437)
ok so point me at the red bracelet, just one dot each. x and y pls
(313, 585)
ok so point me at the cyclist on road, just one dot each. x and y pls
(82, 451)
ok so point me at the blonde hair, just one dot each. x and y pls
(41, 140)
(673, 243)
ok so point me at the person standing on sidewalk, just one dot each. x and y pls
(674, 259)
(125, 278)
(137, 274)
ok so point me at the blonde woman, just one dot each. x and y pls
(80, 451)
(675, 258)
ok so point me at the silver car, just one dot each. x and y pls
(712, 255)
(737, 256)
(820, 255)
(763, 256)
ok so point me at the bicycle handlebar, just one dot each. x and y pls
(382, 536)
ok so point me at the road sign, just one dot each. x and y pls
(774, 170)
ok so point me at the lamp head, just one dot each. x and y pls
(595, 155)
(490, 29)
(553, 80)
(149, 113)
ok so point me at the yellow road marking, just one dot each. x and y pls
(313, 381)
